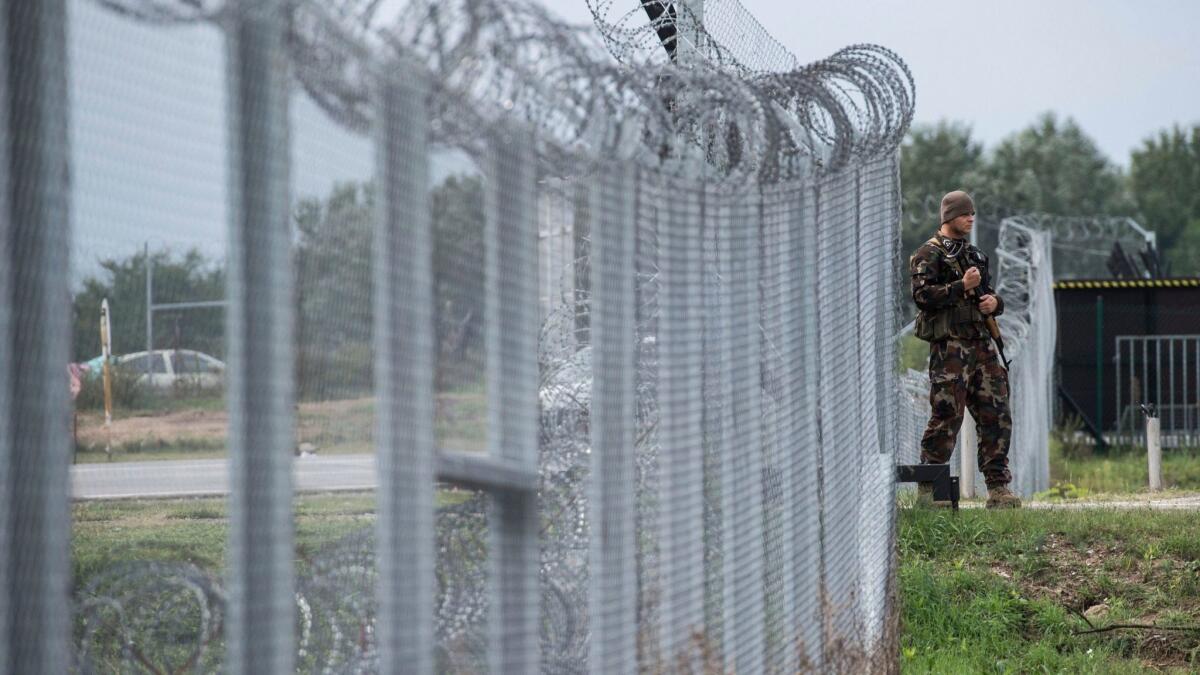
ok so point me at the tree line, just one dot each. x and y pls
(1053, 166)
(333, 248)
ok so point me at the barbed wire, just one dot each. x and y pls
(488, 60)
(166, 11)
(1086, 228)
(1083, 244)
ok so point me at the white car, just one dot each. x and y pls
(165, 368)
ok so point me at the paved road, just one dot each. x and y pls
(197, 477)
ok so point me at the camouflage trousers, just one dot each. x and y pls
(968, 373)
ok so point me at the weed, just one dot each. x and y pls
(1122, 470)
(1005, 592)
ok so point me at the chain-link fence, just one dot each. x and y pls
(527, 359)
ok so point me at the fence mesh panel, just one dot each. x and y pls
(444, 341)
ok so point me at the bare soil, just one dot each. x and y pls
(169, 427)
(1072, 578)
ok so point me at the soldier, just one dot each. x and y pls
(954, 300)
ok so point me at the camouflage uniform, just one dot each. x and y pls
(964, 364)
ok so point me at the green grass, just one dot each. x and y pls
(1000, 592)
(190, 530)
(461, 421)
(1124, 470)
(106, 533)
(193, 428)
(914, 354)
(980, 591)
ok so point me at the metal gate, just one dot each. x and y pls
(1163, 371)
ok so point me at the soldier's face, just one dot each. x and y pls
(961, 226)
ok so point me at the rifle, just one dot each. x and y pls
(980, 261)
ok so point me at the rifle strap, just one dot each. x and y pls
(953, 260)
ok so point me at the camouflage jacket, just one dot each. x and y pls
(944, 308)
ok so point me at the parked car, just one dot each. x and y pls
(166, 368)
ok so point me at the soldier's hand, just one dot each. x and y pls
(987, 304)
(971, 278)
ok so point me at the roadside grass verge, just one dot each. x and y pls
(152, 449)
(980, 591)
(195, 530)
(196, 428)
(995, 592)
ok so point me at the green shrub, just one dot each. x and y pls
(1071, 445)
(128, 391)
(345, 371)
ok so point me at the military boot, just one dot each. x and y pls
(925, 498)
(1000, 497)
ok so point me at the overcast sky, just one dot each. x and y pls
(1122, 69)
(148, 104)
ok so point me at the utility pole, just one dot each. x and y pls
(149, 308)
(106, 372)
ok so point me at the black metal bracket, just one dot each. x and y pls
(945, 486)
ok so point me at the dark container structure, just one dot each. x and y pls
(1165, 371)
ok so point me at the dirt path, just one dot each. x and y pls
(1161, 502)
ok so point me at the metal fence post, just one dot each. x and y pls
(613, 602)
(1117, 387)
(743, 461)
(837, 318)
(1154, 449)
(1099, 362)
(680, 413)
(6, 339)
(260, 632)
(511, 317)
(716, 420)
(34, 245)
(717, 400)
(781, 426)
(877, 222)
(968, 443)
(891, 215)
(149, 303)
(805, 374)
(404, 361)
(1171, 380)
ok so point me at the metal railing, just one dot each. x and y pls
(1163, 370)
